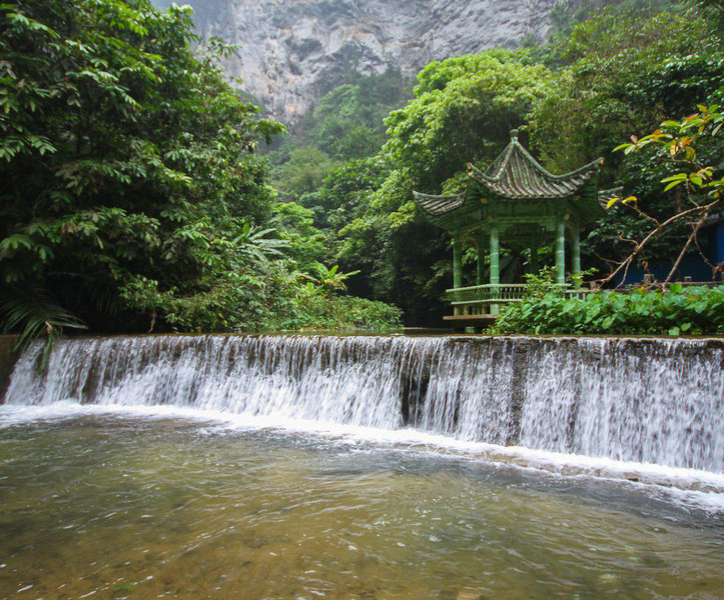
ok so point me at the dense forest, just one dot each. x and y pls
(140, 191)
(610, 70)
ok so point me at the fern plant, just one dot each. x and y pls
(33, 315)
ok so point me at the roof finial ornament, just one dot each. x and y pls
(513, 135)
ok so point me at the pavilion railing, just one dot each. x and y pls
(477, 299)
(481, 300)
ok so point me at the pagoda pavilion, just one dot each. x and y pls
(518, 202)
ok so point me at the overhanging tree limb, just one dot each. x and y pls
(661, 227)
(679, 140)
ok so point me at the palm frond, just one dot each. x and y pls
(32, 314)
(253, 243)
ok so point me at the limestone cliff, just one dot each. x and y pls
(293, 51)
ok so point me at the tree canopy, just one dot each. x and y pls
(617, 72)
(132, 192)
(137, 193)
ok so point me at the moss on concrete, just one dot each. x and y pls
(7, 362)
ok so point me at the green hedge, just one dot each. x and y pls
(677, 311)
(341, 313)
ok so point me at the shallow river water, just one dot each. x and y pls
(122, 506)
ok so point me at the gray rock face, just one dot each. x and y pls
(294, 51)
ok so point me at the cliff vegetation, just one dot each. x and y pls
(138, 191)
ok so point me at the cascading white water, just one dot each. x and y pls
(656, 401)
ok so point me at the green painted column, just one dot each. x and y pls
(457, 270)
(480, 275)
(560, 250)
(494, 255)
(494, 263)
(457, 263)
(534, 259)
(576, 250)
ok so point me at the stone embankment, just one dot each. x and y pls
(7, 361)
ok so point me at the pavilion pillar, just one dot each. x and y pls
(576, 250)
(560, 250)
(457, 269)
(480, 274)
(457, 263)
(534, 259)
(494, 264)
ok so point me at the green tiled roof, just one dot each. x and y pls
(605, 195)
(439, 205)
(514, 175)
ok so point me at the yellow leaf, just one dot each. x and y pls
(630, 199)
(611, 202)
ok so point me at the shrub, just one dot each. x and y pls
(676, 311)
(313, 311)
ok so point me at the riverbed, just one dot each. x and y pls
(128, 506)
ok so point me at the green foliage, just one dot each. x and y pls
(680, 143)
(714, 9)
(346, 125)
(325, 166)
(676, 311)
(579, 97)
(131, 185)
(329, 279)
(542, 283)
(34, 315)
(306, 244)
(624, 73)
(463, 110)
(565, 16)
(304, 171)
(612, 69)
(128, 161)
(343, 195)
(348, 121)
(316, 312)
(679, 140)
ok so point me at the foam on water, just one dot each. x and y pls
(646, 410)
(687, 487)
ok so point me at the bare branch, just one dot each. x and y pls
(686, 248)
(662, 226)
(641, 213)
(625, 274)
(704, 257)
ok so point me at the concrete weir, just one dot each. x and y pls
(644, 400)
(7, 360)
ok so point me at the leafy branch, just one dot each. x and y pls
(704, 189)
(34, 315)
(331, 279)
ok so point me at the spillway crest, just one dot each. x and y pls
(642, 400)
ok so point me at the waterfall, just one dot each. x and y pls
(642, 400)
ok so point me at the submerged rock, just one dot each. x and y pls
(471, 595)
